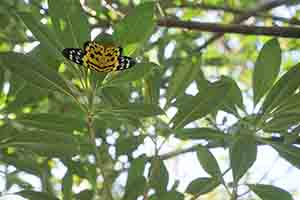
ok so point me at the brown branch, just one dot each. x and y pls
(290, 32)
(243, 17)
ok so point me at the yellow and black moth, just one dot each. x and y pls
(98, 57)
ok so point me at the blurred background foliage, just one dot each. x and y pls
(69, 133)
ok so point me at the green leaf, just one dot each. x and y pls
(152, 84)
(70, 22)
(181, 78)
(199, 106)
(126, 145)
(42, 33)
(84, 195)
(266, 69)
(34, 72)
(289, 152)
(201, 133)
(270, 192)
(67, 183)
(136, 182)
(283, 88)
(208, 162)
(159, 177)
(233, 98)
(137, 26)
(52, 122)
(139, 71)
(242, 155)
(25, 98)
(281, 122)
(45, 143)
(201, 186)
(171, 195)
(33, 195)
(136, 110)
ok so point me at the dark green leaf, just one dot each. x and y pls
(137, 26)
(283, 88)
(266, 69)
(199, 106)
(289, 152)
(270, 192)
(84, 195)
(34, 72)
(234, 97)
(139, 71)
(201, 186)
(33, 195)
(208, 162)
(172, 195)
(242, 155)
(127, 145)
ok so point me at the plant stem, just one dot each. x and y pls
(97, 156)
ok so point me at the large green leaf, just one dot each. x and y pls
(70, 22)
(33, 71)
(136, 26)
(201, 186)
(266, 69)
(136, 182)
(208, 162)
(283, 88)
(181, 78)
(139, 71)
(45, 143)
(52, 122)
(242, 155)
(199, 106)
(270, 192)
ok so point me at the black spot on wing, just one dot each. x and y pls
(125, 62)
(74, 55)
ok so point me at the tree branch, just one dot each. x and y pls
(235, 11)
(243, 17)
(290, 32)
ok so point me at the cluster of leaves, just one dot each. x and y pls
(54, 110)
